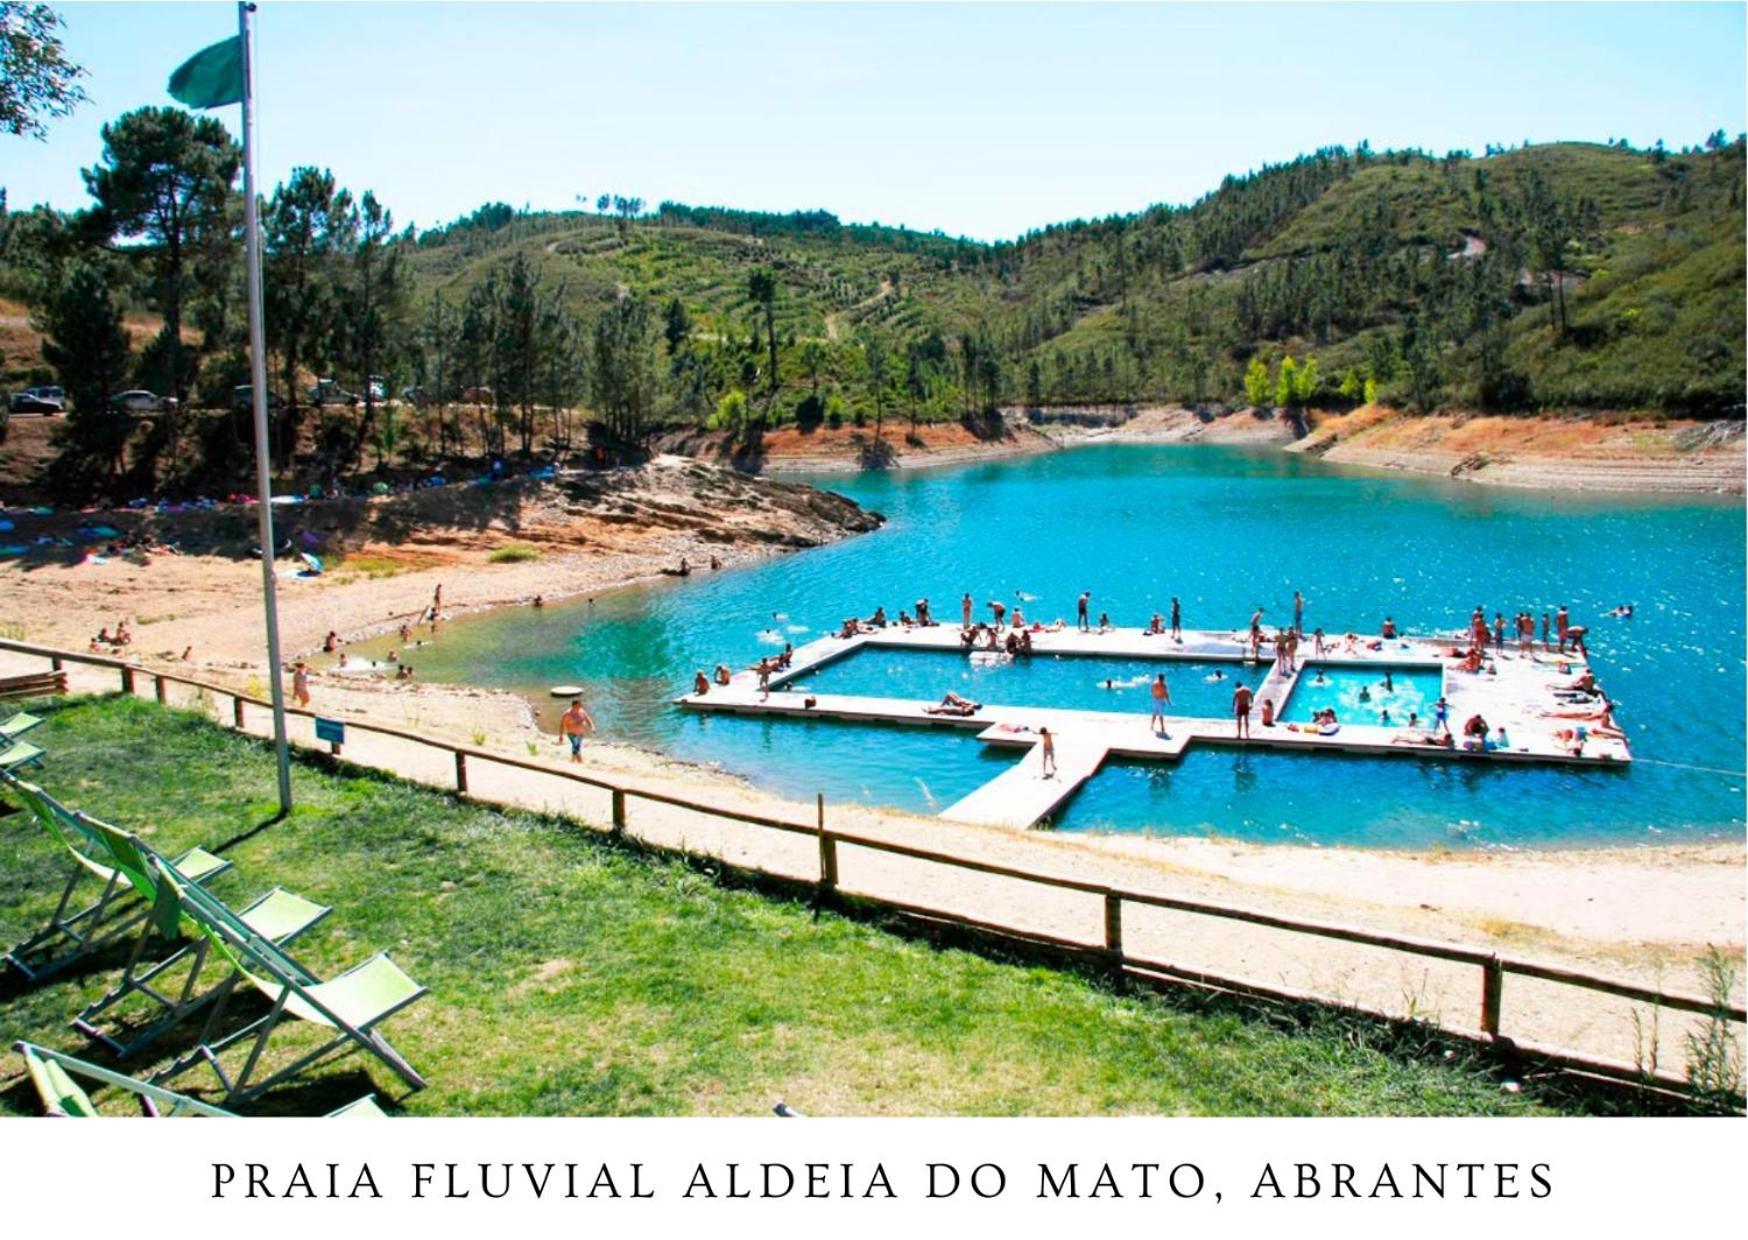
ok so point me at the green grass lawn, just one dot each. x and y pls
(570, 975)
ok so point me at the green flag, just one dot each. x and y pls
(212, 77)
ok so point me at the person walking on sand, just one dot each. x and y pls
(1241, 711)
(437, 602)
(1049, 753)
(1161, 699)
(300, 683)
(1080, 610)
(573, 725)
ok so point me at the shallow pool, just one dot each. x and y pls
(1066, 682)
(1374, 695)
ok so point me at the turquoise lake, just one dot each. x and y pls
(1225, 530)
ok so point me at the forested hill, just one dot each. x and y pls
(1570, 276)
(1563, 276)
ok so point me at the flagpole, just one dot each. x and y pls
(258, 398)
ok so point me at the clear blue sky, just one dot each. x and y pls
(978, 119)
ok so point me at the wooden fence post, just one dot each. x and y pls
(828, 856)
(1492, 995)
(1114, 928)
(127, 680)
(55, 664)
(460, 773)
(237, 712)
(618, 811)
(158, 688)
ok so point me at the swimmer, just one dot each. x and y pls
(1215, 676)
(1365, 693)
(1389, 683)
(1319, 679)
(539, 601)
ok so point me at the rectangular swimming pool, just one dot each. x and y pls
(1065, 682)
(1385, 695)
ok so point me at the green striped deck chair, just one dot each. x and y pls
(19, 754)
(62, 1096)
(278, 917)
(114, 914)
(347, 1009)
(17, 726)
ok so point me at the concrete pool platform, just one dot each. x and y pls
(1516, 696)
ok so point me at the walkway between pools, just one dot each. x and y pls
(1514, 696)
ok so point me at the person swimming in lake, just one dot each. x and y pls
(1389, 682)
(539, 601)
(1319, 678)
(1215, 677)
(1365, 693)
(1623, 612)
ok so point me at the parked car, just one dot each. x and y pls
(136, 400)
(50, 391)
(243, 398)
(327, 392)
(30, 402)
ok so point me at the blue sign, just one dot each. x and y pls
(331, 730)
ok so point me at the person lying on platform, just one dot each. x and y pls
(953, 704)
(1438, 740)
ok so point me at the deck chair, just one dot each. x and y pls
(19, 754)
(348, 1008)
(17, 726)
(278, 917)
(114, 914)
(52, 1073)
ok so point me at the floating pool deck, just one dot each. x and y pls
(1516, 696)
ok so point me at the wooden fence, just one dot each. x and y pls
(1492, 967)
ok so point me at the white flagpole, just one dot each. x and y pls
(258, 397)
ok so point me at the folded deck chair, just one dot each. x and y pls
(114, 914)
(52, 1073)
(278, 917)
(18, 754)
(17, 726)
(347, 1008)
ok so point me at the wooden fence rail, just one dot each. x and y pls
(1493, 967)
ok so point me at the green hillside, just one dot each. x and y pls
(1569, 276)
(1356, 258)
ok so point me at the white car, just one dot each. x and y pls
(137, 400)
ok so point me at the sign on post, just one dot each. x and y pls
(333, 731)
